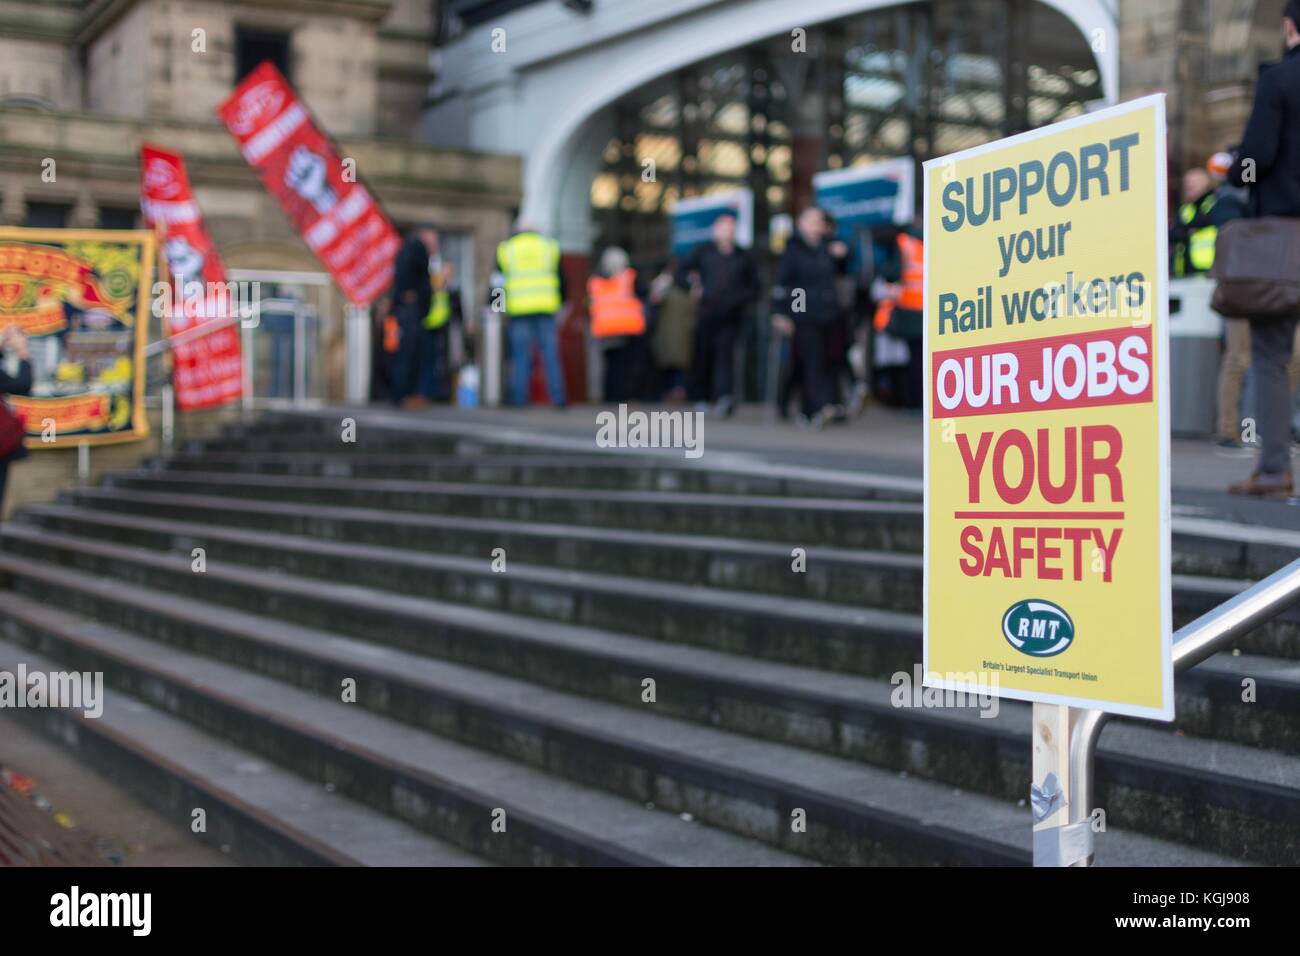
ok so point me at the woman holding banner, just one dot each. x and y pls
(15, 379)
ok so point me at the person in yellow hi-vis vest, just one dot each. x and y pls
(1192, 236)
(530, 290)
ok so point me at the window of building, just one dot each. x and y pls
(118, 217)
(47, 215)
(253, 47)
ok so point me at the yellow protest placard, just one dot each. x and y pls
(1047, 416)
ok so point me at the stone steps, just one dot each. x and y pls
(441, 788)
(523, 691)
(646, 472)
(727, 593)
(1200, 546)
(855, 814)
(848, 717)
(254, 810)
(810, 520)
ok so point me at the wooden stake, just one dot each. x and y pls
(1050, 790)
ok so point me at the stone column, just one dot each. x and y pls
(85, 214)
(13, 209)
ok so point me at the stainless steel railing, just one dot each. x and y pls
(1204, 637)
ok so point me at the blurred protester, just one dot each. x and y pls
(1226, 202)
(533, 286)
(412, 297)
(617, 322)
(805, 306)
(855, 299)
(724, 282)
(1209, 202)
(674, 333)
(900, 291)
(15, 379)
(1203, 211)
(889, 357)
(444, 312)
(385, 334)
(848, 384)
(1268, 161)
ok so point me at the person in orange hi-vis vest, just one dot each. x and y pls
(617, 322)
(901, 294)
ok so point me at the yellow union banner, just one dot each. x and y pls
(82, 297)
(1047, 448)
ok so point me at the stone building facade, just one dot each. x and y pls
(84, 82)
(1204, 55)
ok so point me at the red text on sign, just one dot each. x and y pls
(1018, 465)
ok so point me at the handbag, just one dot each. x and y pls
(905, 323)
(1257, 268)
(13, 429)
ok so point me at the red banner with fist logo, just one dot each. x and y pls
(337, 217)
(208, 369)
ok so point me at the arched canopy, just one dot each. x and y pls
(644, 56)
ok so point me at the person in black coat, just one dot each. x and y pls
(384, 339)
(805, 305)
(724, 282)
(13, 381)
(1268, 161)
(412, 296)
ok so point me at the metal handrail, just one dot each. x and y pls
(166, 392)
(1195, 642)
(158, 346)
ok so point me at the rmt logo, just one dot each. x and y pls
(1038, 628)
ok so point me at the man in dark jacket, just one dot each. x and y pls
(14, 380)
(1268, 161)
(412, 296)
(805, 304)
(724, 280)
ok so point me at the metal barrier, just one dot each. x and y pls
(492, 358)
(166, 397)
(159, 346)
(301, 343)
(1201, 639)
